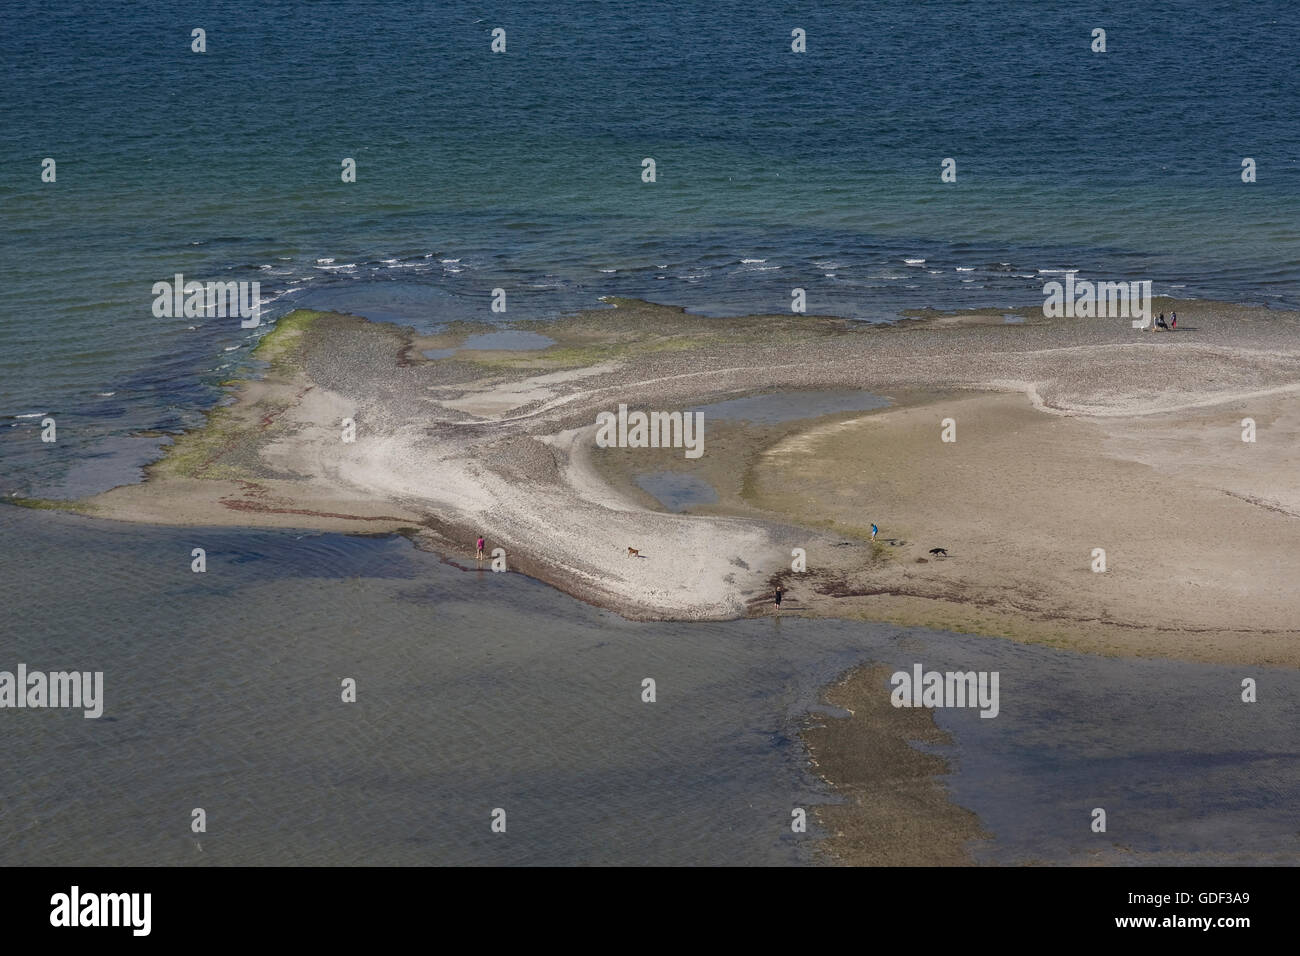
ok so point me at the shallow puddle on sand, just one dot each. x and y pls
(774, 407)
(511, 340)
(677, 491)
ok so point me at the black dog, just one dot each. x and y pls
(938, 551)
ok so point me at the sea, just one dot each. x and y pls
(915, 155)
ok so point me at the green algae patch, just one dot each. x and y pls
(219, 448)
(286, 338)
(48, 504)
(196, 453)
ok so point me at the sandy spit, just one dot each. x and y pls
(1071, 435)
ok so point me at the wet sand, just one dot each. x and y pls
(897, 811)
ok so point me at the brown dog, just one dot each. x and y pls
(633, 553)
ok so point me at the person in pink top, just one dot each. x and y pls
(480, 547)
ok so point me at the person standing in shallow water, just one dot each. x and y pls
(777, 598)
(480, 547)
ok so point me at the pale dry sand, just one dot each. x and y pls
(1072, 434)
(1199, 529)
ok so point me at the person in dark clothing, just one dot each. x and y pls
(777, 599)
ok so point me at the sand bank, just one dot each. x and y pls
(1071, 435)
